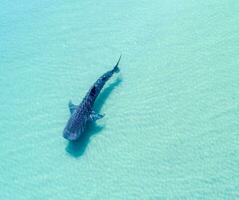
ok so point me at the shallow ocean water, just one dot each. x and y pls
(171, 125)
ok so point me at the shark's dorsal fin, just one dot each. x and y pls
(95, 116)
(72, 107)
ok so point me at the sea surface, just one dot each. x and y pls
(171, 125)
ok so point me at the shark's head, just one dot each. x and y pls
(69, 135)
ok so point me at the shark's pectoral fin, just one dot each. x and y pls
(72, 107)
(95, 116)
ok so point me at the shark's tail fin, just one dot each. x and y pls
(116, 68)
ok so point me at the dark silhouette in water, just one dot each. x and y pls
(83, 114)
(78, 147)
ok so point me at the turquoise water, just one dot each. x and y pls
(171, 124)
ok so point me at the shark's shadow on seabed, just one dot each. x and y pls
(77, 148)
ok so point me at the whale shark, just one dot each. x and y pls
(84, 113)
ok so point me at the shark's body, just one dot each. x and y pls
(84, 113)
